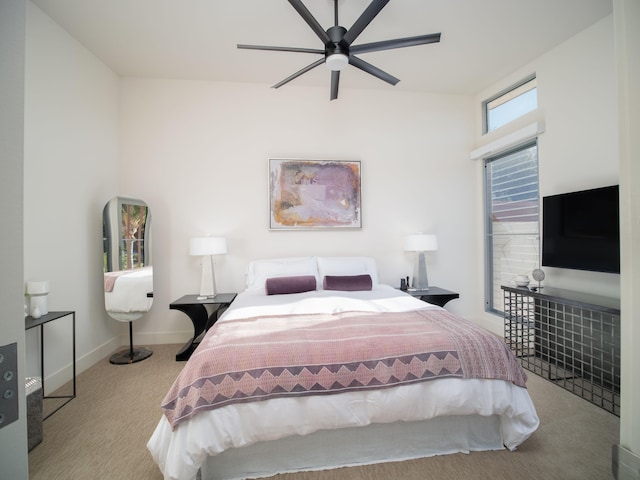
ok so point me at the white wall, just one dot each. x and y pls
(627, 23)
(577, 104)
(197, 153)
(13, 436)
(579, 149)
(70, 171)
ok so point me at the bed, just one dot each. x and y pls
(317, 365)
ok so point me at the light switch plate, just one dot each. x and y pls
(8, 384)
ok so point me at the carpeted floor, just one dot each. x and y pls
(102, 434)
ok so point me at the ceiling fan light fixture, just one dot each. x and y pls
(337, 61)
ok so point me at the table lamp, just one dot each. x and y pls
(420, 243)
(207, 247)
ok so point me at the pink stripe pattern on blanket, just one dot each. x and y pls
(296, 355)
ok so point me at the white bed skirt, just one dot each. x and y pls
(264, 438)
(376, 443)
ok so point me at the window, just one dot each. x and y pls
(133, 222)
(508, 105)
(512, 220)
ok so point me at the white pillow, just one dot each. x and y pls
(260, 270)
(348, 266)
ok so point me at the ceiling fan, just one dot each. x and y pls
(339, 50)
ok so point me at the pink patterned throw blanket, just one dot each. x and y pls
(297, 355)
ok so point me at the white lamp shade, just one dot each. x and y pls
(420, 242)
(208, 246)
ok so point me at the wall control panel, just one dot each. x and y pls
(8, 384)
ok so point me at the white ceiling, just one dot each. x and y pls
(482, 40)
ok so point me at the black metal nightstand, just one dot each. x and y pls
(197, 312)
(435, 295)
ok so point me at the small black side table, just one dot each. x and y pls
(31, 322)
(436, 295)
(197, 312)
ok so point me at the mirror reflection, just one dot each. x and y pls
(128, 270)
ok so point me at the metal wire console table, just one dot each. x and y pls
(31, 322)
(569, 338)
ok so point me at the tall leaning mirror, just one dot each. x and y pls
(128, 270)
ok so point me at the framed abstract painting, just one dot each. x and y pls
(314, 194)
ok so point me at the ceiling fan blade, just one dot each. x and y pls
(311, 21)
(397, 43)
(335, 82)
(299, 72)
(372, 70)
(361, 23)
(281, 49)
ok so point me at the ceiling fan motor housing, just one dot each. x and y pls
(336, 55)
(336, 34)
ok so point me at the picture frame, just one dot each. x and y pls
(314, 194)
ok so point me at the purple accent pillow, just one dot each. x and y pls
(284, 285)
(349, 283)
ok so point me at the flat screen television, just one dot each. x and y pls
(581, 230)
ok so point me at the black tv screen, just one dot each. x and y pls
(581, 230)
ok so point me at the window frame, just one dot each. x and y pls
(489, 273)
(508, 94)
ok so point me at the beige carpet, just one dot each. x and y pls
(102, 434)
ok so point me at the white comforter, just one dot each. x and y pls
(179, 453)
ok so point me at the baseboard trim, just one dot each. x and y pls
(625, 464)
(59, 378)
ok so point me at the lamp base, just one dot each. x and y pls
(207, 278)
(420, 281)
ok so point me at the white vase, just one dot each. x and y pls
(38, 292)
